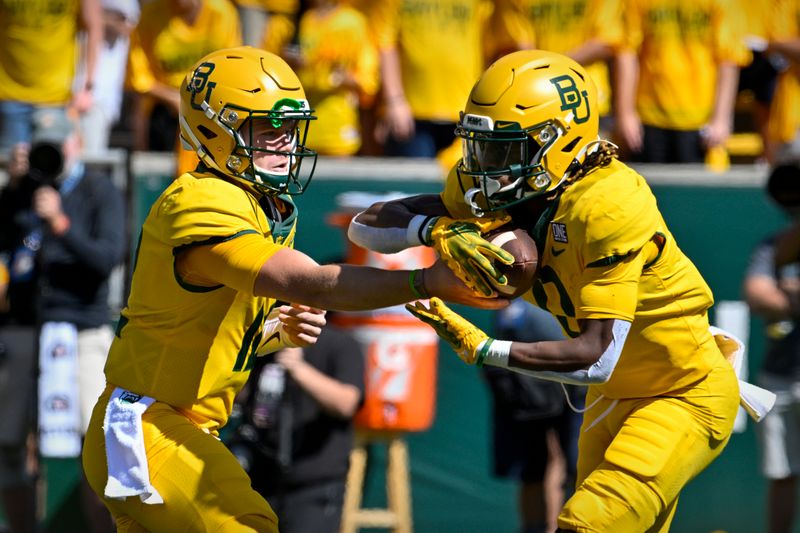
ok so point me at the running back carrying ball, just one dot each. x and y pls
(522, 271)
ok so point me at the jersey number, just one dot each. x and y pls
(548, 275)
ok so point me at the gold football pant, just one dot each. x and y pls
(201, 482)
(635, 455)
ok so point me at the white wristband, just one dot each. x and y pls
(493, 352)
(417, 228)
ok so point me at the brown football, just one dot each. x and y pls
(522, 271)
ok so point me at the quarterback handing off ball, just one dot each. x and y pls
(521, 273)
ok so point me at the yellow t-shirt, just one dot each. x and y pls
(440, 49)
(680, 45)
(335, 46)
(38, 50)
(599, 258)
(564, 25)
(183, 343)
(785, 108)
(164, 48)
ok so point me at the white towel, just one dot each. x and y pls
(59, 409)
(757, 402)
(128, 473)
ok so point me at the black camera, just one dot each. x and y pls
(46, 162)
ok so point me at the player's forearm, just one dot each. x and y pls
(398, 213)
(587, 359)
(336, 287)
(292, 276)
(389, 227)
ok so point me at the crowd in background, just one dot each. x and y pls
(679, 81)
(675, 79)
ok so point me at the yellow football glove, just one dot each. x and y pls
(462, 335)
(463, 249)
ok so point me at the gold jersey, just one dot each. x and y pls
(185, 344)
(605, 252)
(38, 50)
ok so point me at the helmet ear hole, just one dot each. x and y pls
(572, 144)
(207, 133)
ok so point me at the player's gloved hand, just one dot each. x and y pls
(462, 247)
(465, 338)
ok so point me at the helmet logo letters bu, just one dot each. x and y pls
(200, 82)
(571, 98)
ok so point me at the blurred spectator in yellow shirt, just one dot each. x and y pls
(758, 79)
(268, 24)
(431, 53)
(785, 110)
(39, 54)
(676, 78)
(171, 36)
(588, 31)
(338, 66)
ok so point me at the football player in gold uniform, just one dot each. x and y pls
(661, 398)
(213, 262)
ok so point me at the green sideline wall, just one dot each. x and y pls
(717, 220)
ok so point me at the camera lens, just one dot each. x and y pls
(46, 162)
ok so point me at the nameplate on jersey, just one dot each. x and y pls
(129, 397)
(559, 232)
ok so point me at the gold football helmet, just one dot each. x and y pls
(527, 125)
(222, 97)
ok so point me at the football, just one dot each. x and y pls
(522, 271)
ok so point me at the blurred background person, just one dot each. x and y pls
(38, 56)
(295, 429)
(338, 66)
(534, 432)
(268, 24)
(171, 36)
(676, 79)
(784, 117)
(83, 240)
(119, 19)
(773, 293)
(758, 78)
(431, 53)
(588, 31)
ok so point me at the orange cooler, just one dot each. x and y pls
(401, 351)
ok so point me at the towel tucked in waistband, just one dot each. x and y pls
(128, 473)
